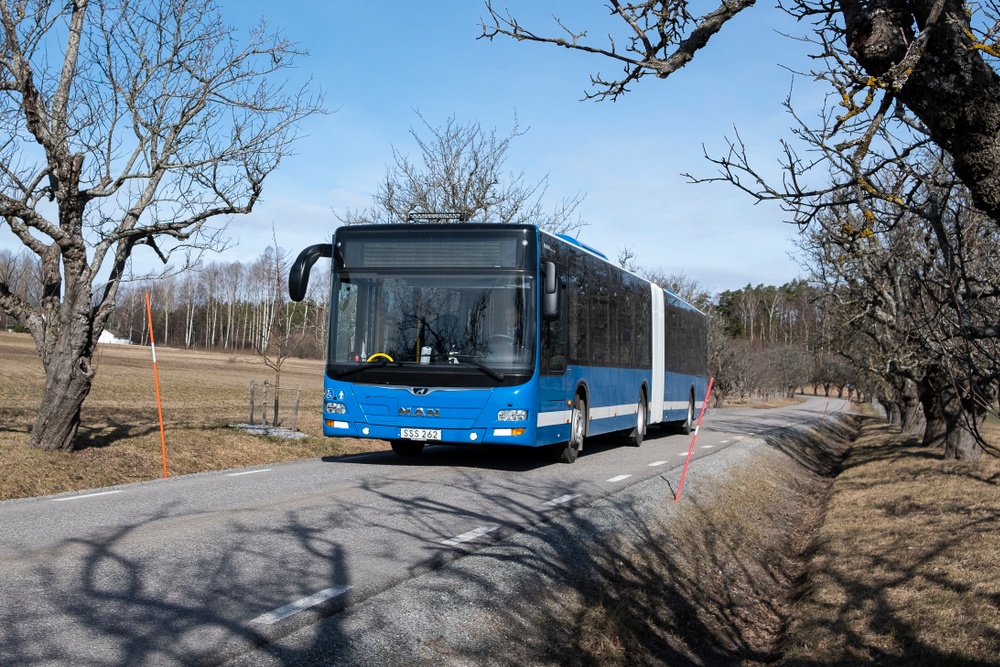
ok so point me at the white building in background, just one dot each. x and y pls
(110, 338)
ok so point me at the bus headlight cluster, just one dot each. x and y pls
(335, 408)
(512, 415)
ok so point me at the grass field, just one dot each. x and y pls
(119, 442)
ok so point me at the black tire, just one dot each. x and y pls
(407, 447)
(636, 435)
(568, 451)
(687, 427)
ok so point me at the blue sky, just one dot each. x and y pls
(378, 63)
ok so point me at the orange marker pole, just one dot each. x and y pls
(156, 379)
(694, 437)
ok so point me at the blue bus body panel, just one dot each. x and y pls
(464, 416)
(613, 395)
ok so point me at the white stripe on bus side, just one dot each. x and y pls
(613, 411)
(560, 417)
(554, 418)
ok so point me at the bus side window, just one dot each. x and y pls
(553, 347)
(553, 340)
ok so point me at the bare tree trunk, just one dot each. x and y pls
(68, 379)
(912, 421)
(959, 441)
(893, 413)
(937, 427)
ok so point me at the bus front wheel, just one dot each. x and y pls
(568, 451)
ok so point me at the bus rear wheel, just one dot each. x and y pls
(635, 437)
(568, 451)
(407, 447)
(687, 428)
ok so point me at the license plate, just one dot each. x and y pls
(420, 433)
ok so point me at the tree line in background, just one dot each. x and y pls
(224, 306)
(764, 341)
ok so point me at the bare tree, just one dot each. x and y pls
(907, 78)
(883, 59)
(156, 122)
(915, 299)
(659, 38)
(461, 172)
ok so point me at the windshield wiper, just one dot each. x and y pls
(467, 359)
(381, 363)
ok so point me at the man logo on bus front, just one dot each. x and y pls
(420, 391)
(419, 412)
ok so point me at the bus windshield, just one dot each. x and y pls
(456, 321)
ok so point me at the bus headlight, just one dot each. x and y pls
(335, 408)
(512, 415)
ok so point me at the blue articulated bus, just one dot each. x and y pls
(472, 334)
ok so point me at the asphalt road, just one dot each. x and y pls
(196, 569)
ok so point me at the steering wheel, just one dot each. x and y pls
(501, 339)
(378, 355)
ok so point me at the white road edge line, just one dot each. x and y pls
(618, 478)
(282, 613)
(563, 499)
(87, 495)
(471, 535)
(247, 472)
(656, 463)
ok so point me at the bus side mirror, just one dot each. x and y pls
(550, 293)
(298, 276)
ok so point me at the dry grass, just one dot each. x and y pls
(907, 568)
(119, 442)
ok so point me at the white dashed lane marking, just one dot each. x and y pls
(618, 478)
(656, 463)
(563, 499)
(469, 536)
(87, 495)
(282, 613)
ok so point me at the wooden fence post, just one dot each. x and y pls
(295, 410)
(264, 404)
(253, 385)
